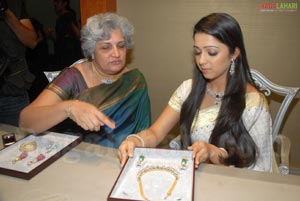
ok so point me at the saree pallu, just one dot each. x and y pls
(126, 101)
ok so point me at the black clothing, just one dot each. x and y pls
(67, 45)
(16, 79)
(38, 61)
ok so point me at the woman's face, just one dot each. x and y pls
(212, 57)
(110, 55)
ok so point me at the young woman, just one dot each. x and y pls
(223, 118)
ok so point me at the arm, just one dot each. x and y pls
(258, 121)
(48, 110)
(151, 136)
(23, 29)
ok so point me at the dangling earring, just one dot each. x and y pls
(232, 67)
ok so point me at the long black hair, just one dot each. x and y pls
(229, 131)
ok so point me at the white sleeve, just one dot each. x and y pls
(180, 95)
(258, 122)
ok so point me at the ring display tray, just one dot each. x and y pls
(32, 154)
(156, 174)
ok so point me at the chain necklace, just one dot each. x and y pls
(217, 96)
(103, 79)
(147, 169)
(162, 168)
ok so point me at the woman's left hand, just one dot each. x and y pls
(201, 152)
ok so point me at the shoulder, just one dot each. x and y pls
(69, 75)
(256, 99)
(251, 88)
(185, 87)
(67, 83)
(71, 70)
(180, 95)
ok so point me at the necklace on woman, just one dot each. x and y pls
(104, 79)
(217, 96)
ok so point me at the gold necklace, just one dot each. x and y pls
(103, 79)
(217, 96)
(147, 169)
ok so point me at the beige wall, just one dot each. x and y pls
(163, 47)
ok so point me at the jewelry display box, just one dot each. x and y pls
(155, 174)
(32, 154)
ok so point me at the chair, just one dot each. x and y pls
(53, 74)
(281, 143)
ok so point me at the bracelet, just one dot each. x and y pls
(138, 137)
(68, 110)
(221, 148)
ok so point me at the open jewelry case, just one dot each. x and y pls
(156, 174)
(32, 154)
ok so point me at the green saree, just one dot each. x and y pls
(126, 101)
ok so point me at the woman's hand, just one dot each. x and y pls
(201, 152)
(126, 150)
(88, 116)
(205, 152)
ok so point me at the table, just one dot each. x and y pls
(88, 172)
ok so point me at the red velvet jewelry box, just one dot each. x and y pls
(155, 174)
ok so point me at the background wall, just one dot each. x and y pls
(163, 47)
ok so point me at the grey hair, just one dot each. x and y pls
(99, 27)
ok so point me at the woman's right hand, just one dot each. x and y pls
(126, 150)
(88, 116)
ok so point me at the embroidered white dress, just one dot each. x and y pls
(256, 118)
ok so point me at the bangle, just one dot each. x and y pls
(138, 137)
(221, 148)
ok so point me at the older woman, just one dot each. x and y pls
(106, 99)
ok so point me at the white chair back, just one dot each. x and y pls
(268, 87)
(50, 75)
(281, 142)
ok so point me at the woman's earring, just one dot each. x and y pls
(232, 67)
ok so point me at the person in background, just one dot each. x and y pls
(102, 99)
(66, 36)
(38, 61)
(223, 117)
(17, 33)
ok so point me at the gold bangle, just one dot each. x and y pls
(28, 146)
